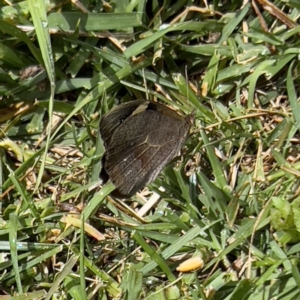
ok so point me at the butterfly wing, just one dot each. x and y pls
(115, 117)
(142, 145)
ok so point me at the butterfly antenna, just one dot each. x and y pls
(145, 84)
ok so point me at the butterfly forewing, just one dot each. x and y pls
(115, 117)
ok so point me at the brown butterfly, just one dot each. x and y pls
(140, 138)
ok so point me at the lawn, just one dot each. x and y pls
(222, 219)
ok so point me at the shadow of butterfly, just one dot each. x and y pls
(140, 138)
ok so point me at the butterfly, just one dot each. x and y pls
(140, 138)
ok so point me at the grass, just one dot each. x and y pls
(230, 200)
